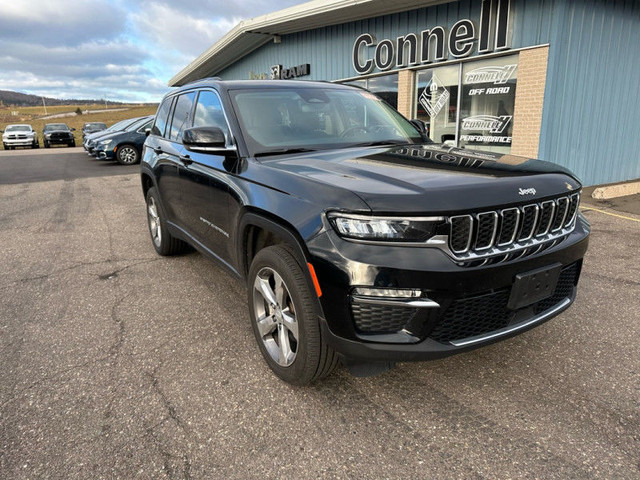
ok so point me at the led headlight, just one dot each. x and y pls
(391, 229)
(105, 143)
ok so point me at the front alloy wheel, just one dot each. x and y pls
(284, 313)
(275, 315)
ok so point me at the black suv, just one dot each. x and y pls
(358, 238)
(58, 134)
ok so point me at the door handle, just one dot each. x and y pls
(186, 159)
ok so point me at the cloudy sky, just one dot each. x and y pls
(123, 50)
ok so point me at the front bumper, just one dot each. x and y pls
(60, 140)
(10, 142)
(108, 154)
(470, 302)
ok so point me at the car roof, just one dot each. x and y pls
(258, 84)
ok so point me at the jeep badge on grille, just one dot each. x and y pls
(527, 191)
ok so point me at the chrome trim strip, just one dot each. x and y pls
(421, 303)
(504, 331)
(383, 217)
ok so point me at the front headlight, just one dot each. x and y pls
(47, 135)
(390, 229)
(105, 143)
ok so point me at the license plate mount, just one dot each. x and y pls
(533, 286)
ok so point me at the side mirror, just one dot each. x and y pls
(73, 129)
(206, 140)
(147, 132)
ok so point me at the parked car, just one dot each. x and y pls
(19, 135)
(90, 141)
(92, 127)
(124, 146)
(58, 134)
(357, 237)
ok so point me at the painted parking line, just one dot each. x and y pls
(587, 209)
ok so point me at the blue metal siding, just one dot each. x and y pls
(591, 106)
(328, 49)
(592, 96)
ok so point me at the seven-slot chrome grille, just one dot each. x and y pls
(499, 232)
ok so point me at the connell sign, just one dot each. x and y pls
(490, 33)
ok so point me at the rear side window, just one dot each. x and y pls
(162, 117)
(209, 112)
(181, 116)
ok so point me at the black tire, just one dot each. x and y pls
(46, 144)
(162, 240)
(4, 145)
(127, 154)
(35, 145)
(312, 358)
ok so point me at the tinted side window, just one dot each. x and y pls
(181, 116)
(209, 112)
(162, 117)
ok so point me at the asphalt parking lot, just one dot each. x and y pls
(117, 363)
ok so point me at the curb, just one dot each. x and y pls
(614, 191)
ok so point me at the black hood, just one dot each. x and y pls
(430, 178)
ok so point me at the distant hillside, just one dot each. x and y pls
(7, 97)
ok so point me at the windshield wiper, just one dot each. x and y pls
(379, 143)
(282, 151)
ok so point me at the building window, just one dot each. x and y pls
(470, 104)
(438, 101)
(385, 86)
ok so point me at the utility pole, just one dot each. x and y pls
(44, 105)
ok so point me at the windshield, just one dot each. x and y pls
(122, 124)
(93, 127)
(55, 126)
(137, 124)
(18, 128)
(294, 118)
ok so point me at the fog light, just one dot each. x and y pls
(388, 292)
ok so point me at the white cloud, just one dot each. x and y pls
(122, 49)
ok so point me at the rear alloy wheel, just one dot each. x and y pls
(284, 318)
(163, 241)
(127, 155)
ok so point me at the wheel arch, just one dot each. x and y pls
(259, 229)
(147, 182)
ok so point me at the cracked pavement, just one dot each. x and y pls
(117, 363)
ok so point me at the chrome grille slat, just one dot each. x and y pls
(562, 207)
(487, 226)
(508, 226)
(511, 233)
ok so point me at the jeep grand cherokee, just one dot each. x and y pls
(358, 239)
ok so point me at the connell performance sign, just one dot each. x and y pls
(436, 44)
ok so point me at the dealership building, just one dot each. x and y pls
(552, 79)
